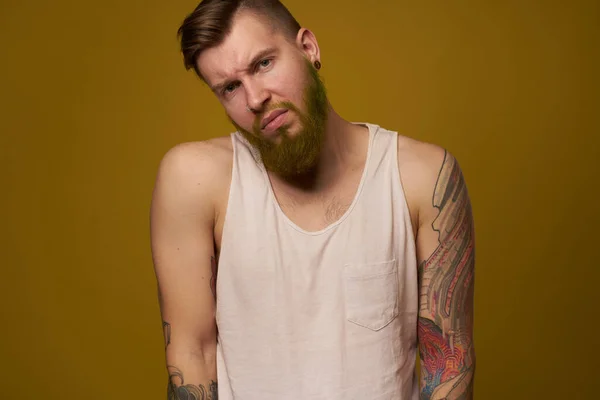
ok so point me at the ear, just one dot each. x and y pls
(307, 44)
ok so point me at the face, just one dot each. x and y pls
(257, 67)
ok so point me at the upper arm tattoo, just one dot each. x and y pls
(446, 293)
(167, 333)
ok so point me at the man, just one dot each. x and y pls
(341, 246)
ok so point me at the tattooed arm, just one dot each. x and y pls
(182, 216)
(442, 216)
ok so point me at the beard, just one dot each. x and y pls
(296, 155)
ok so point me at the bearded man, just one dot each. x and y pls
(305, 256)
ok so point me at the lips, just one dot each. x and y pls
(271, 116)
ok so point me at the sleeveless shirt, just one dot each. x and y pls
(321, 315)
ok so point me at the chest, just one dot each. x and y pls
(309, 210)
(316, 210)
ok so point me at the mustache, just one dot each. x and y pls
(286, 105)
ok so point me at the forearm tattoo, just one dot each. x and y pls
(446, 297)
(178, 390)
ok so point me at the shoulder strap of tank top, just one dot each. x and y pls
(381, 152)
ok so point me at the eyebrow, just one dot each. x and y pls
(261, 54)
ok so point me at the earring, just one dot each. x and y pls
(317, 64)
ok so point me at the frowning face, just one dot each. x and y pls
(271, 92)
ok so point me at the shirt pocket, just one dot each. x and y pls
(371, 293)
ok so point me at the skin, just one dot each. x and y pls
(192, 188)
(294, 154)
(286, 78)
(446, 250)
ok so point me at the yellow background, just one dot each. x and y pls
(93, 93)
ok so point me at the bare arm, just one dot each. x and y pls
(446, 253)
(182, 216)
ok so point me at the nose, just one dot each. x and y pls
(256, 96)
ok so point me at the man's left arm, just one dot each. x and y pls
(446, 254)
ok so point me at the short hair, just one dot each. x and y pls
(211, 21)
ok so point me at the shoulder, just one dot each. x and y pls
(418, 158)
(194, 171)
(196, 159)
(422, 166)
(191, 158)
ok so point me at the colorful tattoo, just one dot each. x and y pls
(446, 297)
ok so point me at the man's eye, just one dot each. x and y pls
(264, 63)
(229, 88)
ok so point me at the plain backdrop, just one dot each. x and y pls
(93, 93)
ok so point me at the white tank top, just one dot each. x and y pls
(327, 315)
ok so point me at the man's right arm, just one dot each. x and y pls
(182, 217)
